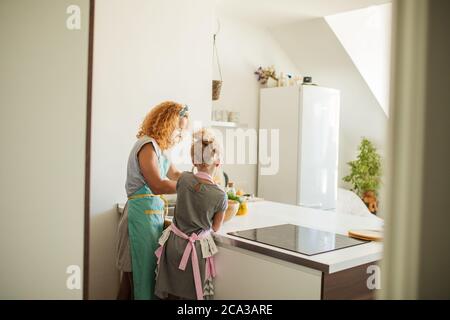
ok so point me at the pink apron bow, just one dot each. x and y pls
(190, 250)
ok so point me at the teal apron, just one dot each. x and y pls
(145, 226)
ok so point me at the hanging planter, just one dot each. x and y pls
(216, 84)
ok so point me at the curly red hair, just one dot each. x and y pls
(161, 122)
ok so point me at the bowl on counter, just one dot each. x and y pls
(233, 207)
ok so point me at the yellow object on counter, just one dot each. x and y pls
(243, 209)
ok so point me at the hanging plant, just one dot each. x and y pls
(216, 84)
(365, 174)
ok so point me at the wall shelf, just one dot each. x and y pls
(225, 124)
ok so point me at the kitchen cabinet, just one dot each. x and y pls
(243, 274)
(251, 270)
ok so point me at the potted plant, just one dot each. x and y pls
(365, 174)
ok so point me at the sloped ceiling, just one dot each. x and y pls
(366, 36)
(277, 12)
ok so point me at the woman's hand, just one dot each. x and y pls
(148, 163)
(218, 220)
(173, 173)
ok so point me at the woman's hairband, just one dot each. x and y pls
(183, 111)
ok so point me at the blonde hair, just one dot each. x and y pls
(161, 122)
(205, 148)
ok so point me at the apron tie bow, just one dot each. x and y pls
(190, 250)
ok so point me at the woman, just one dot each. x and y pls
(149, 175)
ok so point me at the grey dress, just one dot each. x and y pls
(194, 212)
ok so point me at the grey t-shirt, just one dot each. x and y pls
(135, 179)
(195, 210)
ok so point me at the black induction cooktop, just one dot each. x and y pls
(298, 239)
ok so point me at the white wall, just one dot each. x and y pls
(243, 47)
(145, 52)
(317, 52)
(43, 81)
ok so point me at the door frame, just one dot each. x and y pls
(87, 178)
(405, 163)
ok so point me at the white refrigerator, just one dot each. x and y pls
(307, 120)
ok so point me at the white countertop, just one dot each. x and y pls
(265, 214)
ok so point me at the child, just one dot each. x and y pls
(200, 207)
